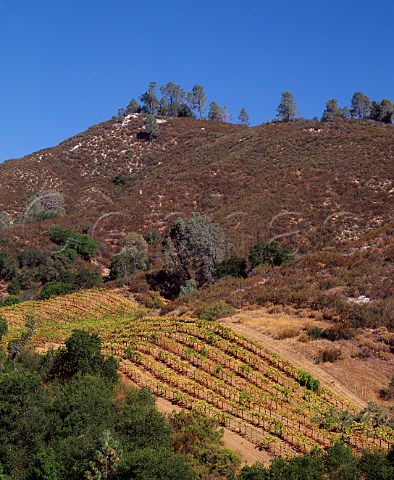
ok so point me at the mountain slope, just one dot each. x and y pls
(336, 178)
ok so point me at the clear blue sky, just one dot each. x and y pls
(68, 64)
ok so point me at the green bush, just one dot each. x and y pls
(32, 258)
(11, 300)
(8, 266)
(305, 379)
(80, 242)
(14, 287)
(232, 267)
(3, 327)
(87, 278)
(121, 179)
(215, 311)
(271, 254)
(52, 289)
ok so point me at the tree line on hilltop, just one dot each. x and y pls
(176, 102)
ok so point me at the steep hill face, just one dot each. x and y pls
(313, 184)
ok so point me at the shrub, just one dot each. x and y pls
(81, 242)
(52, 289)
(388, 393)
(152, 237)
(189, 287)
(87, 278)
(305, 379)
(3, 327)
(121, 179)
(11, 300)
(150, 300)
(329, 355)
(215, 311)
(14, 287)
(338, 332)
(32, 258)
(269, 254)
(132, 258)
(315, 332)
(8, 266)
(232, 267)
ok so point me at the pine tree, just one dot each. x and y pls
(197, 99)
(243, 117)
(332, 111)
(175, 96)
(215, 112)
(361, 105)
(149, 99)
(287, 107)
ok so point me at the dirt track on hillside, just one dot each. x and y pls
(287, 353)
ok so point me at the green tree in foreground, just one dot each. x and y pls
(287, 107)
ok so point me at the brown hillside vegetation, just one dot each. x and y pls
(329, 182)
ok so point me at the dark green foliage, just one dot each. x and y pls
(14, 287)
(152, 237)
(287, 108)
(121, 179)
(306, 379)
(32, 258)
(80, 242)
(361, 105)
(139, 421)
(82, 354)
(214, 311)
(199, 437)
(133, 107)
(87, 278)
(3, 327)
(8, 266)
(24, 421)
(151, 127)
(382, 111)
(376, 466)
(332, 111)
(254, 472)
(11, 300)
(53, 289)
(271, 254)
(232, 267)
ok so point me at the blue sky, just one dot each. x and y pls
(66, 65)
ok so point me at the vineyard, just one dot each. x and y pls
(203, 366)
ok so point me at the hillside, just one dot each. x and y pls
(335, 179)
(203, 366)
